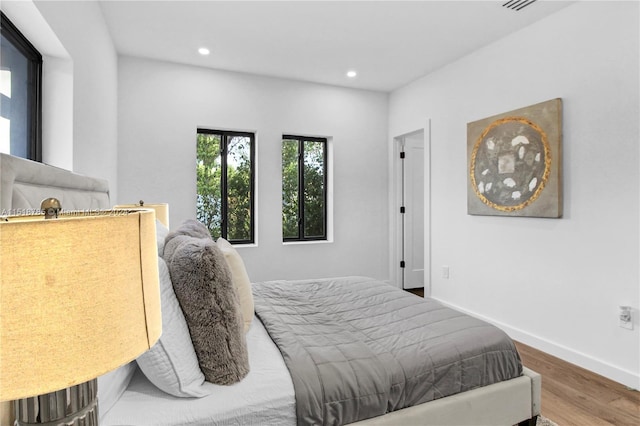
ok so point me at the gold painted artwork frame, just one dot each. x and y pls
(514, 162)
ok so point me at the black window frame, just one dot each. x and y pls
(224, 141)
(34, 94)
(301, 185)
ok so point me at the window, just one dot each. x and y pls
(304, 188)
(20, 93)
(225, 184)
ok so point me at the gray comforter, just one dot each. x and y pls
(358, 348)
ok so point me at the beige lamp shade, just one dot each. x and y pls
(79, 297)
(162, 210)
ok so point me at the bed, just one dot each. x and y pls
(316, 326)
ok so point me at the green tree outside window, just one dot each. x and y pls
(304, 183)
(225, 184)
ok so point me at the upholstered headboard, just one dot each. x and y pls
(25, 183)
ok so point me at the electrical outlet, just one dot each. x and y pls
(625, 317)
(445, 272)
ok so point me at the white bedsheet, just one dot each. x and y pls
(264, 397)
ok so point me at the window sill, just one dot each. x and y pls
(237, 246)
(295, 243)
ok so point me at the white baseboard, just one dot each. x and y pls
(580, 359)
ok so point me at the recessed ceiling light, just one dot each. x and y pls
(351, 74)
(203, 51)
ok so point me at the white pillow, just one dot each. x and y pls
(240, 280)
(171, 364)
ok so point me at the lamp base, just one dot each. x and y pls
(74, 406)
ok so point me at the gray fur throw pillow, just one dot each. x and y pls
(202, 284)
(192, 228)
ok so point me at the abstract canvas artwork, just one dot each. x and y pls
(515, 162)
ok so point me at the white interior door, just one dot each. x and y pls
(413, 217)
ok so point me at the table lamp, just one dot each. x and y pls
(161, 209)
(79, 297)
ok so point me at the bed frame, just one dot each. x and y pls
(24, 184)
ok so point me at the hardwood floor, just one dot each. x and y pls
(573, 396)
(417, 291)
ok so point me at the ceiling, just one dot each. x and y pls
(389, 43)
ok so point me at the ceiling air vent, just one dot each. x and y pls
(518, 4)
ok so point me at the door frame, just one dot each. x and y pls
(395, 198)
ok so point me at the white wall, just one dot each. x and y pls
(57, 112)
(162, 104)
(81, 29)
(553, 283)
